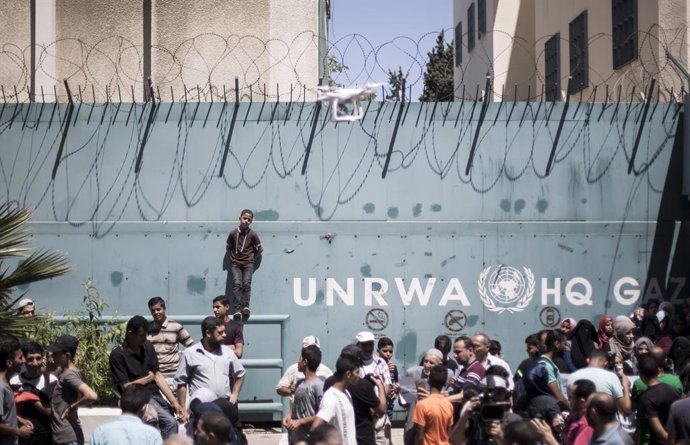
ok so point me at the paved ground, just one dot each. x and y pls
(265, 434)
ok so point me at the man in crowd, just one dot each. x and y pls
(656, 400)
(433, 416)
(601, 416)
(678, 425)
(136, 362)
(213, 428)
(211, 365)
(373, 365)
(616, 385)
(11, 360)
(367, 395)
(481, 343)
(165, 334)
(288, 382)
(234, 331)
(128, 429)
(308, 396)
(26, 307)
(33, 390)
(472, 370)
(336, 404)
(554, 381)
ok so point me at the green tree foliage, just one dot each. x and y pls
(438, 76)
(395, 85)
(97, 338)
(26, 267)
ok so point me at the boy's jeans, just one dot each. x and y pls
(242, 285)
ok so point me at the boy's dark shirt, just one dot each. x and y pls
(242, 246)
(234, 333)
(363, 400)
(127, 366)
(523, 367)
(657, 401)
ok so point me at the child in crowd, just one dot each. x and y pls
(244, 249)
(308, 395)
(385, 351)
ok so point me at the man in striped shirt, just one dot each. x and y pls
(165, 334)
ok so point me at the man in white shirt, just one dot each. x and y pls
(336, 404)
(616, 385)
(481, 342)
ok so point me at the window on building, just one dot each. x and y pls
(471, 28)
(579, 60)
(481, 17)
(624, 31)
(552, 67)
(458, 44)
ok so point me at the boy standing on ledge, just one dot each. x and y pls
(244, 249)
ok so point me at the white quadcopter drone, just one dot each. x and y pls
(340, 97)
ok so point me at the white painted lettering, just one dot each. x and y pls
(454, 292)
(654, 290)
(297, 292)
(579, 298)
(348, 296)
(371, 294)
(415, 290)
(555, 291)
(631, 294)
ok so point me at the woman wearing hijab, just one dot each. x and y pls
(642, 346)
(665, 339)
(605, 331)
(567, 329)
(679, 326)
(621, 344)
(583, 341)
(680, 353)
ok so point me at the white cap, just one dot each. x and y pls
(661, 315)
(25, 302)
(365, 336)
(310, 340)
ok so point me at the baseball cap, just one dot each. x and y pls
(64, 343)
(310, 340)
(25, 302)
(364, 337)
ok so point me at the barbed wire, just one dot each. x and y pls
(204, 68)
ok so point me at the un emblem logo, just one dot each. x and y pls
(506, 289)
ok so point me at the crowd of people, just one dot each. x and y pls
(622, 382)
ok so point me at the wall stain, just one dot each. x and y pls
(116, 277)
(472, 320)
(369, 208)
(505, 205)
(428, 254)
(542, 205)
(567, 248)
(436, 207)
(444, 262)
(583, 200)
(519, 205)
(196, 284)
(365, 270)
(266, 215)
(393, 212)
(406, 348)
(319, 297)
(417, 209)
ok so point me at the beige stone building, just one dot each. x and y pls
(106, 49)
(550, 47)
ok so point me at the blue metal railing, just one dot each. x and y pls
(256, 363)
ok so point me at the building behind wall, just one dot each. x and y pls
(107, 49)
(540, 46)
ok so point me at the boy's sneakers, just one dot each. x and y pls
(237, 315)
(245, 313)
